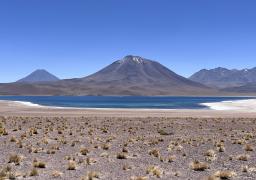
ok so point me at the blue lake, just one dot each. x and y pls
(122, 102)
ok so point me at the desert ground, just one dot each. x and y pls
(58, 143)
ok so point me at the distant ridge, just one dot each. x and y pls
(39, 76)
(225, 78)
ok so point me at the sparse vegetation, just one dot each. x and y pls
(56, 174)
(248, 147)
(243, 157)
(39, 164)
(163, 132)
(155, 153)
(139, 178)
(128, 147)
(224, 174)
(15, 158)
(34, 172)
(210, 153)
(84, 151)
(199, 166)
(122, 155)
(155, 171)
(92, 176)
(72, 165)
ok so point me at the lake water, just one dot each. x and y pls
(122, 102)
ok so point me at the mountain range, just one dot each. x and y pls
(134, 75)
(223, 78)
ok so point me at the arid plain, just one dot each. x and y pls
(53, 143)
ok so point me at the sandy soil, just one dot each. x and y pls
(47, 143)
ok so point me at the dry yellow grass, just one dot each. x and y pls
(171, 158)
(15, 158)
(155, 153)
(225, 174)
(243, 157)
(199, 166)
(84, 151)
(210, 153)
(39, 164)
(122, 155)
(139, 178)
(34, 172)
(248, 147)
(155, 171)
(72, 165)
(91, 176)
(56, 174)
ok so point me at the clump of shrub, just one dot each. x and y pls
(72, 165)
(84, 151)
(155, 171)
(15, 158)
(122, 155)
(199, 166)
(34, 172)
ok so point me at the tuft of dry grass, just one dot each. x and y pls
(56, 174)
(155, 153)
(243, 157)
(34, 172)
(248, 147)
(210, 153)
(224, 174)
(84, 151)
(171, 158)
(90, 161)
(72, 165)
(15, 158)
(177, 174)
(122, 155)
(221, 149)
(199, 166)
(245, 169)
(91, 176)
(105, 146)
(139, 178)
(6, 173)
(39, 164)
(155, 171)
(163, 132)
(13, 139)
(127, 167)
(3, 131)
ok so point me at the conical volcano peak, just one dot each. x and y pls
(39, 75)
(134, 59)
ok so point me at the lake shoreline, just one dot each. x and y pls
(132, 102)
(10, 108)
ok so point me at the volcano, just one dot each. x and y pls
(131, 75)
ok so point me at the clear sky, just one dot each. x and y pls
(74, 38)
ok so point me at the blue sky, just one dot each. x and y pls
(74, 38)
